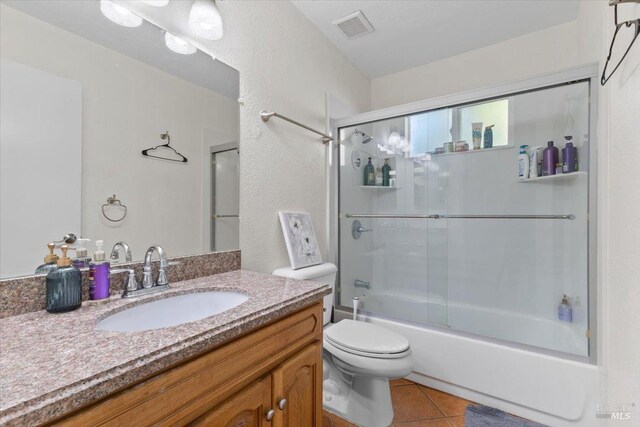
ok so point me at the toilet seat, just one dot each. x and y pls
(366, 339)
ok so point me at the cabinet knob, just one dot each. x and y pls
(282, 404)
(269, 414)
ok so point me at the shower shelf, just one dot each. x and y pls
(379, 187)
(563, 176)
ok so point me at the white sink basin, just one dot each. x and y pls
(171, 311)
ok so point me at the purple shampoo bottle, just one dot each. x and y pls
(550, 157)
(569, 156)
(99, 275)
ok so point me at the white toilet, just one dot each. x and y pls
(359, 359)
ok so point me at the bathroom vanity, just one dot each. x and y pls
(259, 363)
(272, 374)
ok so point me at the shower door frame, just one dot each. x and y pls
(588, 72)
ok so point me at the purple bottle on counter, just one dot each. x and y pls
(569, 156)
(99, 275)
(550, 157)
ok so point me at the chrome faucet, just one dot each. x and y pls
(362, 284)
(115, 255)
(131, 288)
(147, 279)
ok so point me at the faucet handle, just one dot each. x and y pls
(162, 274)
(132, 283)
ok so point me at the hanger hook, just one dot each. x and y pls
(166, 136)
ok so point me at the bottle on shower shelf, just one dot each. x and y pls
(386, 173)
(369, 174)
(550, 158)
(569, 156)
(523, 163)
(378, 177)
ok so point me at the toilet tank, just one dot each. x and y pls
(323, 273)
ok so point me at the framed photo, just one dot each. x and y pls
(300, 239)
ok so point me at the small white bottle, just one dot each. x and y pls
(534, 161)
(523, 163)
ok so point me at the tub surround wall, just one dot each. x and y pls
(618, 208)
(26, 294)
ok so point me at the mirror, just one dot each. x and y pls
(81, 98)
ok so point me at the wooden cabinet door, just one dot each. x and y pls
(297, 389)
(247, 408)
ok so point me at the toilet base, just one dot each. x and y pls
(365, 401)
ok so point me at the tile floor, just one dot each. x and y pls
(416, 405)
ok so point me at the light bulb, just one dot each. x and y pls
(156, 3)
(120, 15)
(177, 45)
(205, 20)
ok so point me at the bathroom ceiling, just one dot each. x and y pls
(412, 33)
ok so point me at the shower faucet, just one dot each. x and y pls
(362, 284)
(357, 229)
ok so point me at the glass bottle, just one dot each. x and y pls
(369, 174)
(386, 171)
(64, 286)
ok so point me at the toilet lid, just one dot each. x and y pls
(362, 337)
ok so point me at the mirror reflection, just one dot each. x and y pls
(81, 99)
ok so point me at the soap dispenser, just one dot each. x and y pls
(565, 312)
(64, 285)
(81, 259)
(50, 261)
(99, 279)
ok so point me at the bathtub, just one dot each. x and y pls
(487, 322)
(546, 388)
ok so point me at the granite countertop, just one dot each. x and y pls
(53, 364)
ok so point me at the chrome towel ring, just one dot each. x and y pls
(114, 202)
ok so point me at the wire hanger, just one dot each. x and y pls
(633, 22)
(166, 136)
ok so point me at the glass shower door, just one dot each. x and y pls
(392, 253)
(453, 237)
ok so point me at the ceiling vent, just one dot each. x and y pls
(354, 25)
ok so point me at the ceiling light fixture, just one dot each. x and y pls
(156, 3)
(177, 45)
(205, 20)
(120, 15)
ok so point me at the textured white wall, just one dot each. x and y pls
(286, 65)
(618, 210)
(126, 105)
(536, 53)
